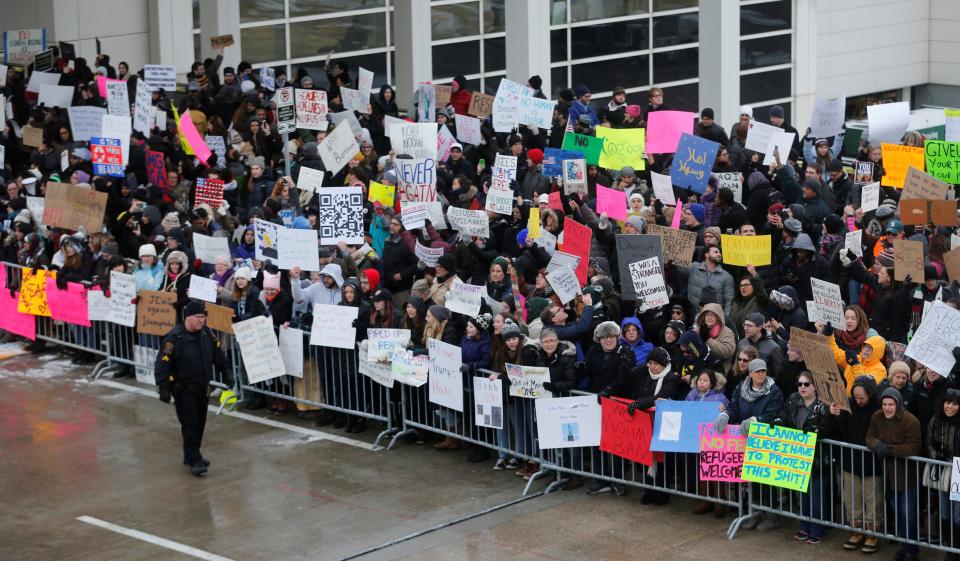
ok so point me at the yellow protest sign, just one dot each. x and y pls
(897, 161)
(622, 147)
(381, 193)
(33, 292)
(533, 224)
(183, 141)
(745, 250)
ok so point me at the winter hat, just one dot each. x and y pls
(775, 208)
(793, 226)
(628, 171)
(834, 224)
(776, 111)
(708, 296)
(510, 330)
(637, 223)
(804, 242)
(243, 273)
(447, 262)
(894, 394)
(481, 322)
(746, 110)
(544, 198)
(382, 295)
(195, 307)
(535, 155)
(502, 261)
(310, 150)
(170, 221)
(660, 356)
(707, 113)
(535, 82)
(536, 305)
(698, 211)
(715, 230)
(82, 176)
(835, 165)
(820, 141)
(757, 364)
(812, 184)
(634, 111)
(257, 161)
(885, 211)
(756, 179)
(606, 329)
(756, 318)
(619, 90)
(581, 90)
(898, 366)
(439, 312)
(271, 280)
(585, 120)
(147, 249)
(522, 237)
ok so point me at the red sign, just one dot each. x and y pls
(106, 154)
(576, 241)
(624, 435)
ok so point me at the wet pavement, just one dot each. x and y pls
(110, 452)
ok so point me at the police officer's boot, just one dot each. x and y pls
(198, 469)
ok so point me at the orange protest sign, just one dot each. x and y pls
(897, 161)
(33, 292)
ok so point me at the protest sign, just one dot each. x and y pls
(55, 96)
(590, 147)
(576, 241)
(648, 284)
(209, 191)
(888, 122)
(870, 196)
(123, 291)
(908, 259)
(955, 479)
(464, 298)
(560, 259)
(426, 103)
(533, 224)
(338, 148)
(863, 173)
(624, 435)
(219, 318)
(218, 146)
(932, 345)
(298, 248)
(920, 212)
(102, 82)
(553, 201)
(575, 177)
(98, 305)
(663, 188)
(40, 79)
(897, 160)
(219, 41)
(107, 157)
(664, 129)
(442, 94)
(826, 295)
(746, 250)
(527, 381)
(333, 326)
(678, 245)
(721, 454)
(381, 342)
(413, 215)
(311, 109)
(291, 350)
(32, 136)
(143, 108)
(779, 456)
(445, 142)
(311, 180)
(481, 105)
(564, 283)
(758, 136)
(202, 288)
(262, 359)
(693, 162)
(85, 121)
(488, 402)
(446, 380)
(71, 206)
(676, 426)
(612, 201)
(427, 255)
(553, 158)
(207, 248)
(469, 222)
(416, 179)
(468, 129)
(11, 318)
(113, 126)
(266, 235)
(506, 105)
(156, 314)
(43, 60)
(535, 111)
(952, 261)
(920, 185)
(632, 248)
(408, 369)
(568, 422)
(943, 160)
(341, 215)
(548, 242)
(193, 139)
(118, 101)
(854, 242)
(380, 372)
(815, 349)
(622, 147)
(160, 76)
(732, 181)
(417, 140)
(499, 201)
(20, 46)
(384, 194)
(352, 100)
(828, 116)
(832, 389)
(36, 205)
(68, 305)
(781, 143)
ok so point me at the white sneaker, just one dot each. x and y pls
(500, 465)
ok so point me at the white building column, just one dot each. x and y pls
(220, 17)
(528, 41)
(171, 33)
(414, 57)
(720, 59)
(805, 63)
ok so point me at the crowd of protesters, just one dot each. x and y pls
(723, 337)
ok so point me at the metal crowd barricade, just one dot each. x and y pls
(853, 490)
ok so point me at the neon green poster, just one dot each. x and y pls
(779, 456)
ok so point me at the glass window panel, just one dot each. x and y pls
(765, 85)
(680, 98)
(377, 63)
(314, 7)
(558, 12)
(494, 16)
(663, 5)
(763, 112)
(261, 44)
(494, 54)
(604, 75)
(676, 30)
(768, 51)
(455, 20)
(196, 14)
(584, 10)
(675, 65)
(257, 10)
(610, 38)
(491, 83)
(558, 45)
(196, 46)
(353, 33)
(558, 81)
(459, 58)
(761, 18)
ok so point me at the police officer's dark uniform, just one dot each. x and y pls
(184, 368)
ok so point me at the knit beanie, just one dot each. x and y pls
(660, 356)
(439, 312)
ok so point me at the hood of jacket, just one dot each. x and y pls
(358, 297)
(333, 270)
(893, 393)
(717, 311)
(418, 304)
(178, 257)
(879, 346)
(691, 339)
(631, 320)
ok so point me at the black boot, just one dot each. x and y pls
(325, 418)
(340, 421)
(198, 469)
(357, 425)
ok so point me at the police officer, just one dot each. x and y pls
(184, 367)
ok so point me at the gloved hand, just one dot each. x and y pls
(846, 258)
(164, 394)
(828, 329)
(745, 426)
(224, 207)
(61, 282)
(549, 387)
(881, 449)
(852, 358)
(633, 407)
(601, 395)
(908, 280)
(720, 426)
(581, 366)
(464, 369)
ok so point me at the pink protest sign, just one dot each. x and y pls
(11, 320)
(612, 202)
(69, 305)
(554, 201)
(721, 454)
(676, 215)
(102, 85)
(576, 241)
(193, 138)
(664, 129)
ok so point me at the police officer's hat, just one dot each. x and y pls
(193, 308)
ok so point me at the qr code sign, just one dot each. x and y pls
(341, 215)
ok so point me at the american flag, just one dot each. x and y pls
(209, 191)
(569, 125)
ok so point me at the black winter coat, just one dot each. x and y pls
(397, 258)
(604, 370)
(187, 359)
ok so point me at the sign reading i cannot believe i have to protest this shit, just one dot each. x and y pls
(779, 456)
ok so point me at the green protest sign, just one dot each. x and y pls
(591, 147)
(779, 456)
(943, 160)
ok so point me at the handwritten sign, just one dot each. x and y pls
(468, 129)
(417, 179)
(779, 456)
(624, 435)
(632, 248)
(442, 95)
(446, 380)
(908, 259)
(828, 116)
(527, 381)
(887, 122)
(85, 121)
(481, 105)
(219, 318)
(663, 188)
(33, 292)
(678, 245)
(943, 160)
(488, 402)
(732, 181)
(721, 454)
(589, 146)
(746, 250)
(311, 109)
(291, 350)
(648, 284)
(759, 135)
(464, 298)
(499, 201)
(613, 202)
(70, 207)
(622, 147)
(384, 194)
(564, 283)
(826, 296)
(159, 76)
(576, 241)
(469, 222)
(11, 319)
(380, 372)
(333, 326)
(693, 162)
(259, 348)
(123, 290)
(338, 148)
(870, 196)
(217, 41)
(381, 343)
(156, 314)
(897, 160)
(932, 345)
(408, 369)
(428, 255)
(920, 185)
(118, 100)
(413, 215)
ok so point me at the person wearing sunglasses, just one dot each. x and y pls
(804, 411)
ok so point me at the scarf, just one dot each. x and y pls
(851, 341)
(750, 395)
(659, 378)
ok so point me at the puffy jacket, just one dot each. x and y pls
(475, 353)
(872, 366)
(902, 436)
(148, 278)
(701, 278)
(767, 349)
(605, 369)
(724, 344)
(577, 109)
(766, 408)
(640, 347)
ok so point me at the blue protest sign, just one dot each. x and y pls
(693, 162)
(107, 157)
(676, 427)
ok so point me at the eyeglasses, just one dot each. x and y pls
(676, 312)
(804, 384)
(743, 360)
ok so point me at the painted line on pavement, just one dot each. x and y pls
(155, 540)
